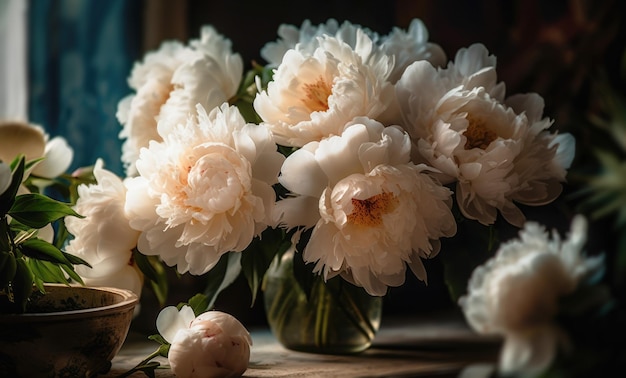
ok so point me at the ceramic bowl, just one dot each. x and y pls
(70, 331)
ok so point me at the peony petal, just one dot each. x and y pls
(310, 184)
(170, 320)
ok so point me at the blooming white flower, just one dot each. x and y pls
(306, 38)
(499, 151)
(515, 294)
(214, 344)
(58, 155)
(205, 190)
(104, 237)
(170, 82)
(313, 96)
(404, 46)
(410, 46)
(373, 211)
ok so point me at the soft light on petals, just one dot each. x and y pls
(198, 194)
(171, 320)
(377, 212)
(58, 156)
(214, 345)
(516, 294)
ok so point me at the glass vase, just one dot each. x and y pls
(336, 317)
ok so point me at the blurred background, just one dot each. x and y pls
(77, 55)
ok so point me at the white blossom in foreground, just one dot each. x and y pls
(104, 237)
(313, 95)
(205, 190)
(169, 82)
(214, 344)
(515, 294)
(372, 210)
(498, 151)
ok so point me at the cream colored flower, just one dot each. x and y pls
(312, 96)
(371, 209)
(33, 142)
(306, 37)
(410, 46)
(104, 237)
(498, 151)
(214, 344)
(169, 83)
(515, 294)
(205, 190)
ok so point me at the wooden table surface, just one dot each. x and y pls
(439, 345)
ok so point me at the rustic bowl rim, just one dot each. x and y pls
(127, 303)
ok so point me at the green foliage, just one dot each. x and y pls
(27, 261)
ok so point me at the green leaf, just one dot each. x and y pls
(199, 303)
(47, 271)
(155, 272)
(256, 259)
(158, 338)
(22, 284)
(8, 197)
(69, 269)
(222, 275)
(75, 260)
(42, 250)
(37, 210)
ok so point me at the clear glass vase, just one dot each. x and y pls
(335, 318)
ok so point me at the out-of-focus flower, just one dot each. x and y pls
(33, 142)
(104, 237)
(214, 344)
(21, 138)
(205, 190)
(515, 294)
(373, 211)
(313, 95)
(169, 83)
(498, 151)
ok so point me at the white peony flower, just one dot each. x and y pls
(515, 294)
(312, 96)
(205, 190)
(169, 83)
(58, 155)
(104, 237)
(409, 46)
(404, 46)
(373, 211)
(214, 344)
(498, 151)
(306, 38)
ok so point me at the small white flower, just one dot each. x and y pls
(498, 151)
(58, 156)
(205, 190)
(313, 96)
(104, 237)
(515, 294)
(373, 211)
(214, 344)
(169, 83)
